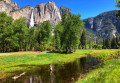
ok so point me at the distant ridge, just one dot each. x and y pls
(104, 25)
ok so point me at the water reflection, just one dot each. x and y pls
(56, 73)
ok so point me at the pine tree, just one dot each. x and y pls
(83, 40)
(97, 42)
(114, 43)
(90, 44)
(117, 41)
(104, 46)
(107, 43)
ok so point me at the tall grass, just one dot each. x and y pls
(109, 73)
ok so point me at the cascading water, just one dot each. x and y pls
(31, 20)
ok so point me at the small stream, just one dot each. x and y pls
(56, 73)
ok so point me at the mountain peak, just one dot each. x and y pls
(51, 2)
(104, 24)
(7, 1)
(42, 12)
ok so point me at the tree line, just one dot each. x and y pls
(114, 43)
(69, 35)
(16, 36)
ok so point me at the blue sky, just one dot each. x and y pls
(87, 8)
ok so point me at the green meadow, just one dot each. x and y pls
(12, 63)
(108, 72)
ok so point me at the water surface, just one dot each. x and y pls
(56, 73)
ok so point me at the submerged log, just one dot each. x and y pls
(50, 67)
(15, 77)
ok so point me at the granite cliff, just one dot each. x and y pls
(104, 25)
(42, 12)
(101, 26)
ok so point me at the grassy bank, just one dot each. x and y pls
(10, 63)
(109, 72)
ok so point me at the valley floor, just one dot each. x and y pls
(110, 69)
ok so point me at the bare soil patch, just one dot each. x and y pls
(22, 53)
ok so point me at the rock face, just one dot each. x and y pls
(23, 12)
(8, 6)
(104, 25)
(13, 4)
(62, 9)
(43, 12)
(48, 11)
(13, 10)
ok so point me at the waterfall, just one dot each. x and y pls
(114, 33)
(52, 32)
(31, 20)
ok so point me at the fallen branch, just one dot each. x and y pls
(16, 77)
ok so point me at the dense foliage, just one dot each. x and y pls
(16, 36)
(118, 5)
(114, 43)
(12, 34)
(69, 35)
(68, 32)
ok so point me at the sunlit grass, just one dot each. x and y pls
(13, 63)
(109, 73)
